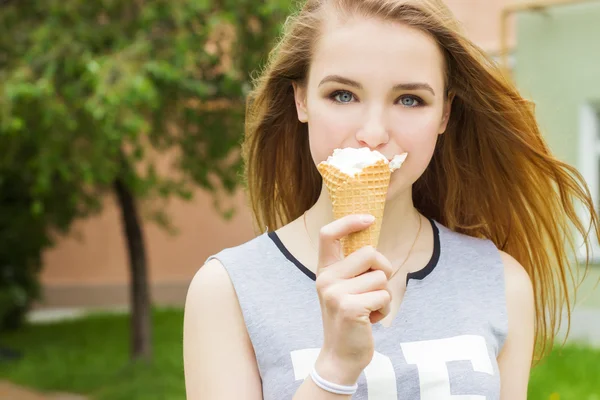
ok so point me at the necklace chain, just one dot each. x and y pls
(403, 262)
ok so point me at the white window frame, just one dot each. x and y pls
(589, 165)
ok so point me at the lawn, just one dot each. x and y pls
(90, 356)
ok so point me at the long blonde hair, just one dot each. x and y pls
(491, 175)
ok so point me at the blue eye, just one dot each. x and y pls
(410, 101)
(342, 96)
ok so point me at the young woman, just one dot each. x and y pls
(470, 270)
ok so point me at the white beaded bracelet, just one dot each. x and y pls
(330, 386)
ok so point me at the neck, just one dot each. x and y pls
(398, 230)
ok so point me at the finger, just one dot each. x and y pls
(375, 301)
(367, 282)
(360, 262)
(378, 315)
(330, 235)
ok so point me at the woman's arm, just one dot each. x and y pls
(515, 358)
(219, 359)
(218, 356)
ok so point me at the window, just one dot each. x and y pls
(589, 160)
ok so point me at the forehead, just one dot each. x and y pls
(372, 49)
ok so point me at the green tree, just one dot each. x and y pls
(95, 94)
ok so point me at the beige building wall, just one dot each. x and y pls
(90, 267)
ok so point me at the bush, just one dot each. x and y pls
(19, 287)
(23, 237)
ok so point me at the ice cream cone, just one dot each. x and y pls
(363, 193)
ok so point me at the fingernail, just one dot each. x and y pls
(367, 219)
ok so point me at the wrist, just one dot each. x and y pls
(335, 370)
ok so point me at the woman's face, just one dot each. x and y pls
(379, 85)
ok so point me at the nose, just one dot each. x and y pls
(373, 133)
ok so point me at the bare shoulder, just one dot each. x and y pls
(216, 347)
(210, 281)
(211, 300)
(518, 283)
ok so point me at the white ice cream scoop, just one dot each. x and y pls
(351, 161)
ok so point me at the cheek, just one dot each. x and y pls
(418, 138)
(327, 130)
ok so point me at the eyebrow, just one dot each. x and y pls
(400, 86)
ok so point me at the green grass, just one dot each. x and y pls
(569, 373)
(90, 356)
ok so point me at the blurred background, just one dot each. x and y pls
(120, 123)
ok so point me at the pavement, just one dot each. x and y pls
(62, 314)
(9, 391)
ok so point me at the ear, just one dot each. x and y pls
(446, 114)
(300, 98)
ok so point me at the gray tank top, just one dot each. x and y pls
(443, 342)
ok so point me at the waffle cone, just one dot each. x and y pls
(364, 193)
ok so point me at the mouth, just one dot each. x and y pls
(403, 155)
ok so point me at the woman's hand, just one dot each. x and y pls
(353, 293)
